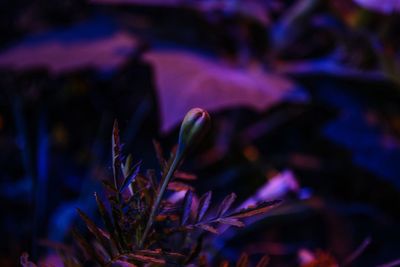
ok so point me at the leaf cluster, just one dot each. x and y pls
(177, 233)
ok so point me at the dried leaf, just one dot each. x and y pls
(263, 261)
(107, 221)
(243, 260)
(208, 228)
(109, 186)
(158, 253)
(151, 176)
(116, 154)
(260, 208)
(195, 250)
(230, 221)
(120, 263)
(204, 203)
(145, 259)
(187, 206)
(184, 175)
(117, 217)
(178, 186)
(87, 248)
(102, 237)
(159, 154)
(226, 204)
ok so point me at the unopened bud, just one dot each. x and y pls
(193, 127)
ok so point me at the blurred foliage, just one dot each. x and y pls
(340, 142)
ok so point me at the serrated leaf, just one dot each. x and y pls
(159, 253)
(208, 228)
(231, 221)
(263, 261)
(87, 248)
(143, 186)
(131, 177)
(187, 205)
(243, 260)
(226, 204)
(184, 175)
(121, 263)
(151, 176)
(109, 186)
(116, 154)
(145, 258)
(159, 154)
(102, 237)
(108, 223)
(260, 208)
(117, 216)
(195, 250)
(204, 203)
(178, 186)
(126, 167)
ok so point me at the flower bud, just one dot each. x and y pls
(193, 127)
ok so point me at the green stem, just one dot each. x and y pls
(157, 203)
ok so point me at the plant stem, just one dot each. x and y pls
(157, 203)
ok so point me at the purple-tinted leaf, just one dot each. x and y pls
(145, 258)
(187, 207)
(202, 82)
(226, 204)
(116, 154)
(178, 186)
(102, 237)
(159, 154)
(107, 221)
(327, 66)
(195, 250)
(204, 203)
(24, 260)
(159, 253)
(231, 221)
(253, 9)
(129, 179)
(126, 167)
(151, 175)
(184, 175)
(117, 217)
(276, 188)
(87, 248)
(208, 228)
(59, 56)
(109, 186)
(382, 6)
(120, 263)
(167, 3)
(260, 208)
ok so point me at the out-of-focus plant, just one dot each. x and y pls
(385, 6)
(142, 226)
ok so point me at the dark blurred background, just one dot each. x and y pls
(304, 96)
